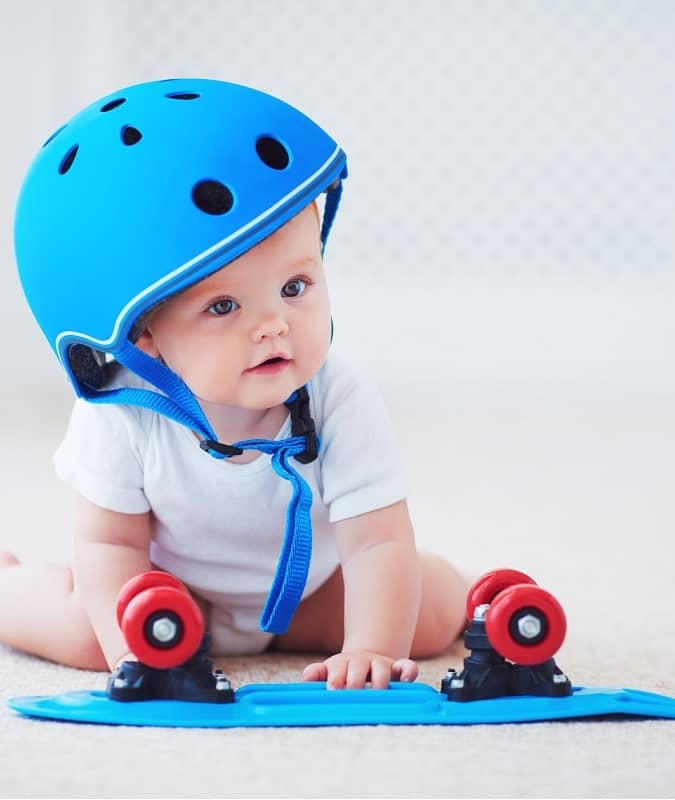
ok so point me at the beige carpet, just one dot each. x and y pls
(576, 492)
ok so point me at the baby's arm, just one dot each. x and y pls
(110, 548)
(382, 584)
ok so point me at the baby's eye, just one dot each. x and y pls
(294, 288)
(222, 307)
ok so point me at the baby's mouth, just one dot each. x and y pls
(270, 365)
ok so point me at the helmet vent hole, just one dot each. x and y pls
(113, 104)
(272, 152)
(131, 135)
(68, 159)
(212, 197)
(183, 96)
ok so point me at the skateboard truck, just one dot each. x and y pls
(164, 629)
(195, 681)
(515, 628)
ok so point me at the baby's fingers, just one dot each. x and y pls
(380, 673)
(404, 670)
(357, 672)
(333, 670)
(338, 667)
(318, 671)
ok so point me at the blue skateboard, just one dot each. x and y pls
(311, 704)
(510, 675)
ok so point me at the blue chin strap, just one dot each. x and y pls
(296, 550)
(178, 403)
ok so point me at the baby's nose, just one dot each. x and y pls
(269, 326)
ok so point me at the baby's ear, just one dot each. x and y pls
(146, 343)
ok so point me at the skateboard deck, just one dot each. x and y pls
(311, 704)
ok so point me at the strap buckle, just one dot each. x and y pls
(226, 450)
(302, 424)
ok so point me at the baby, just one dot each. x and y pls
(170, 243)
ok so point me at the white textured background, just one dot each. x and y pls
(503, 261)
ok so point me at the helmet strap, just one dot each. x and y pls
(333, 195)
(176, 402)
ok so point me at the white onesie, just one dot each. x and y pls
(218, 525)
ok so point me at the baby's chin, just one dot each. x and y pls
(268, 398)
(259, 400)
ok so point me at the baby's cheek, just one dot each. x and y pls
(211, 380)
(316, 352)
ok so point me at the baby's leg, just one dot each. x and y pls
(41, 614)
(318, 626)
(442, 616)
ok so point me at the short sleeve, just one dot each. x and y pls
(101, 456)
(361, 469)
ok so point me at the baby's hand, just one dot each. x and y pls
(352, 670)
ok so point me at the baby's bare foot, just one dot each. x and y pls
(8, 559)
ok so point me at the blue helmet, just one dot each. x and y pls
(148, 191)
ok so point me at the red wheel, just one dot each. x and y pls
(139, 583)
(163, 626)
(485, 589)
(525, 624)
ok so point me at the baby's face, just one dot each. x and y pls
(255, 331)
